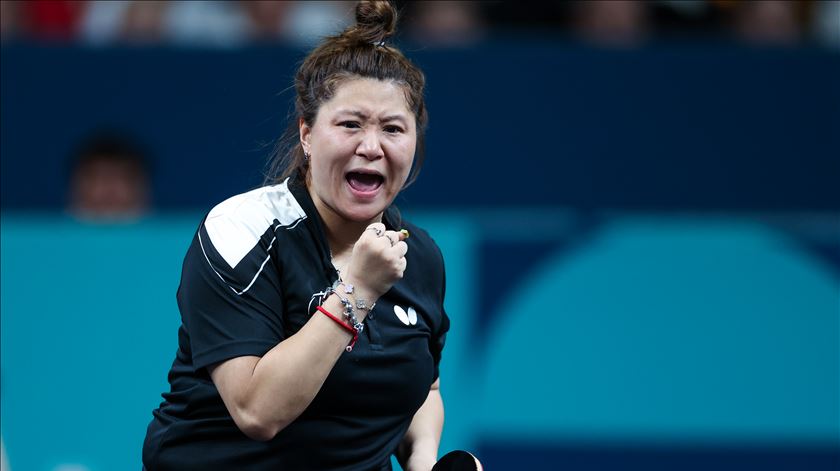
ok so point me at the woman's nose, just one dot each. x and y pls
(370, 147)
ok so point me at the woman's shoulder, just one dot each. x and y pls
(237, 223)
(265, 203)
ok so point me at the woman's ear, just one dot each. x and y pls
(305, 133)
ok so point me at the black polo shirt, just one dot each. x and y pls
(247, 281)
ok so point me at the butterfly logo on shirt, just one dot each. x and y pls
(407, 318)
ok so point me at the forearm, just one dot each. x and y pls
(265, 394)
(419, 448)
(282, 383)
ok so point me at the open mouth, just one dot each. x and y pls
(364, 182)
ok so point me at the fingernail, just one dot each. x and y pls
(404, 232)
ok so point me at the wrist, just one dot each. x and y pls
(363, 297)
(420, 462)
(422, 454)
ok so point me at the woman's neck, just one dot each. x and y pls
(342, 233)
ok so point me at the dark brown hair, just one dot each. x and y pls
(358, 52)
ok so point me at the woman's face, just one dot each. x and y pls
(361, 148)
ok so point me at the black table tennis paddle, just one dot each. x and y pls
(458, 460)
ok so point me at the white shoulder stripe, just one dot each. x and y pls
(262, 265)
(236, 225)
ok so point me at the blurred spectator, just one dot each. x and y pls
(685, 18)
(445, 23)
(109, 179)
(49, 19)
(194, 23)
(229, 23)
(207, 23)
(826, 23)
(530, 16)
(768, 21)
(143, 21)
(9, 19)
(266, 18)
(300, 23)
(41, 20)
(123, 21)
(307, 22)
(213, 23)
(611, 22)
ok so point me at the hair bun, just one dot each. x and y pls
(376, 21)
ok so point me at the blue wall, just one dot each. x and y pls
(511, 123)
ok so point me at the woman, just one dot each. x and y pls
(311, 334)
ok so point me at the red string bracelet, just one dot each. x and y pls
(344, 325)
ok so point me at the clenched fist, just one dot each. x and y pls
(377, 262)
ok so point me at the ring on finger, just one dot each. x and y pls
(391, 239)
(376, 230)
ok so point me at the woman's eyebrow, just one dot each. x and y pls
(364, 116)
(394, 117)
(356, 113)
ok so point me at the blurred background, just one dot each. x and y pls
(637, 202)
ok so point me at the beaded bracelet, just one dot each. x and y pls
(349, 289)
(349, 312)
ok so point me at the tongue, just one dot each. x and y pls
(364, 182)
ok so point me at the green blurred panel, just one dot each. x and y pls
(689, 331)
(457, 238)
(654, 329)
(89, 330)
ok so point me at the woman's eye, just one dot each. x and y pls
(393, 129)
(349, 124)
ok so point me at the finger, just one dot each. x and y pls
(401, 248)
(377, 228)
(373, 232)
(382, 244)
(393, 236)
(403, 234)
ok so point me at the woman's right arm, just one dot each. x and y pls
(265, 394)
